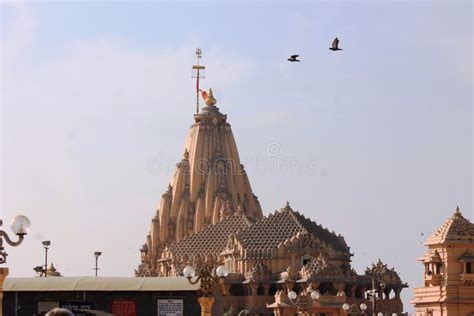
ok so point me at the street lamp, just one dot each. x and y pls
(354, 309)
(46, 244)
(373, 294)
(207, 275)
(96, 255)
(20, 225)
(305, 300)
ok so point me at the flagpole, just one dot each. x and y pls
(198, 68)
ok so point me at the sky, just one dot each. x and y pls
(374, 142)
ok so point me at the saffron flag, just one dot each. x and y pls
(204, 95)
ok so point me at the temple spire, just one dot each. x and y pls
(209, 184)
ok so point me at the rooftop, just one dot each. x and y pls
(213, 239)
(457, 229)
(284, 225)
(98, 284)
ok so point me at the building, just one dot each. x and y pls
(209, 215)
(125, 296)
(448, 288)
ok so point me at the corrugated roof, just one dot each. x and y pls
(98, 284)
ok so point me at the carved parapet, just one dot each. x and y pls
(290, 275)
(382, 274)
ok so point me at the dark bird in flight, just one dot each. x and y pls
(335, 45)
(293, 58)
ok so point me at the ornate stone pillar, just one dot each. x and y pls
(427, 268)
(397, 293)
(266, 289)
(226, 289)
(206, 305)
(3, 275)
(289, 285)
(249, 291)
(314, 285)
(253, 288)
(353, 291)
(380, 293)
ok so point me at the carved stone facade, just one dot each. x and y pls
(210, 214)
(448, 271)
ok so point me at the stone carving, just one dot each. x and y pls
(323, 268)
(382, 273)
(259, 273)
(289, 275)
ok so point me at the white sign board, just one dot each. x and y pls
(170, 307)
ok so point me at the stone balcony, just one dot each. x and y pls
(433, 279)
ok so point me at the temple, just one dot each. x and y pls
(209, 214)
(448, 287)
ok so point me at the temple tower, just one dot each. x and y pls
(448, 288)
(208, 185)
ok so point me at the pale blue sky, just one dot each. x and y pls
(97, 99)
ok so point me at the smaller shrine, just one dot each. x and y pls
(448, 282)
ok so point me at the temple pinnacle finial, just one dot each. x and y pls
(287, 207)
(210, 100)
(457, 213)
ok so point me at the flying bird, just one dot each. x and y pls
(335, 45)
(293, 58)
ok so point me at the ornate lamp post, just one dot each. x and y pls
(97, 255)
(208, 275)
(373, 294)
(354, 309)
(304, 301)
(20, 226)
